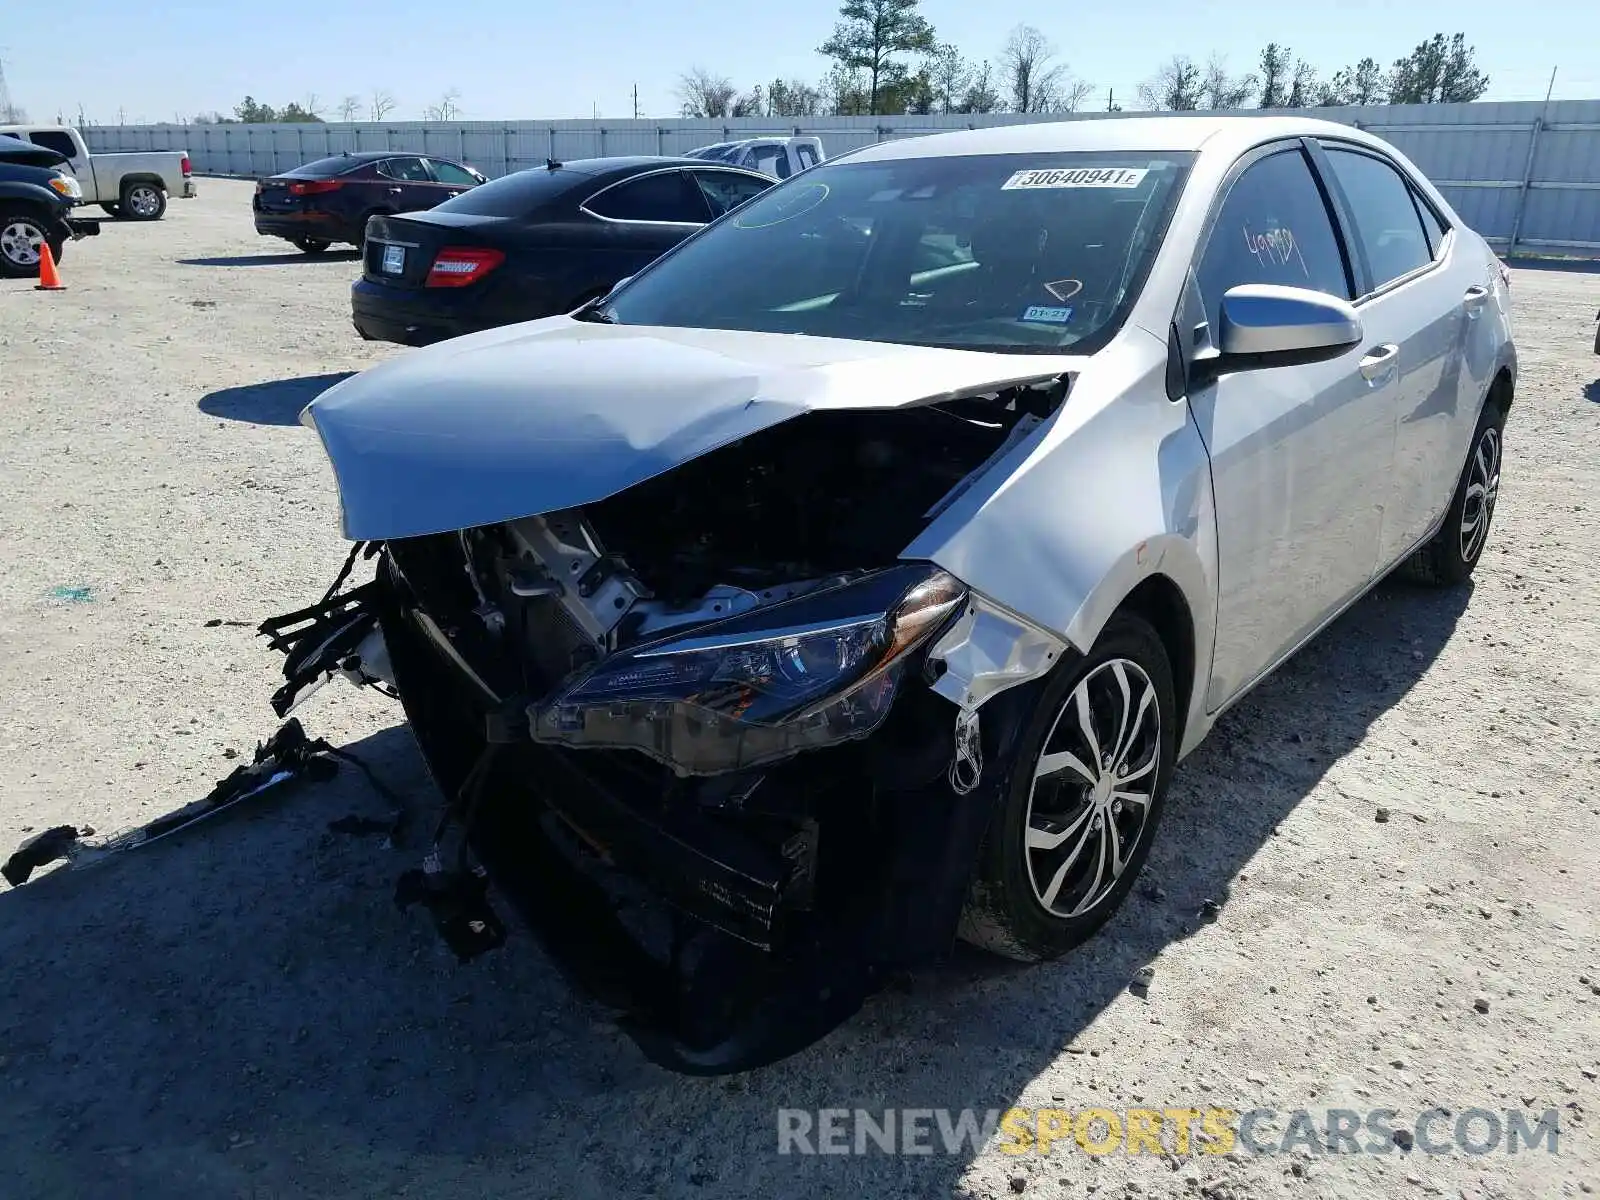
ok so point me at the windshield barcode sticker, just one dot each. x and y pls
(1077, 177)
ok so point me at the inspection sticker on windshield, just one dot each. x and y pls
(1077, 177)
(1045, 314)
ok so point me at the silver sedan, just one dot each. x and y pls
(855, 575)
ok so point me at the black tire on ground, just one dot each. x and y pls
(21, 232)
(113, 210)
(1597, 339)
(1014, 905)
(360, 242)
(1450, 555)
(312, 245)
(143, 201)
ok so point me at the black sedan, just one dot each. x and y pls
(534, 244)
(331, 199)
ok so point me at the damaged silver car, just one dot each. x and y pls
(854, 576)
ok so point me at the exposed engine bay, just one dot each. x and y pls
(703, 703)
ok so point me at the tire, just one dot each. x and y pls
(1449, 557)
(1597, 339)
(1030, 901)
(22, 232)
(143, 201)
(113, 210)
(312, 245)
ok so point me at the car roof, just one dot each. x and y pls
(1208, 133)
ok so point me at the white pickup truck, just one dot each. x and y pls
(134, 185)
(779, 157)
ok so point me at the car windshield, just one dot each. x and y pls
(1014, 252)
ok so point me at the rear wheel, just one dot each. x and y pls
(22, 234)
(1452, 553)
(143, 201)
(1083, 802)
(312, 245)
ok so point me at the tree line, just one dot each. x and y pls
(312, 110)
(887, 59)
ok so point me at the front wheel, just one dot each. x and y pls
(1083, 800)
(144, 201)
(21, 236)
(1451, 554)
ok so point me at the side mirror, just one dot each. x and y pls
(1265, 319)
(1266, 325)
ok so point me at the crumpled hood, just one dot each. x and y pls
(558, 413)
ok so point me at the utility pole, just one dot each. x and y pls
(1111, 99)
(636, 102)
(7, 113)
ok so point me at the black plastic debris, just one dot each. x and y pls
(37, 851)
(459, 904)
(288, 756)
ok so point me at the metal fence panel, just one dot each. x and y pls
(1524, 174)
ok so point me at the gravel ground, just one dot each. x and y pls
(1400, 830)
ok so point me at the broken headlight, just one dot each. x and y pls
(789, 677)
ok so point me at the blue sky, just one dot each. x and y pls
(527, 59)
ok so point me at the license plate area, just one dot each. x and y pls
(394, 260)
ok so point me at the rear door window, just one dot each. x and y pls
(1385, 215)
(449, 172)
(1273, 227)
(807, 156)
(1431, 224)
(667, 196)
(54, 139)
(725, 190)
(406, 169)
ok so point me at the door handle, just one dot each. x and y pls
(1473, 300)
(1380, 362)
(395, 190)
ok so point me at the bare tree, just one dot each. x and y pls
(349, 108)
(792, 98)
(382, 103)
(1071, 94)
(1302, 86)
(1220, 90)
(949, 73)
(752, 104)
(448, 108)
(1031, 78)
(703, 94)
(845, 92)
(980, 96)
(312, 105)
(1176, 86)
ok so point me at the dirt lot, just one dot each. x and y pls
(243, 1012)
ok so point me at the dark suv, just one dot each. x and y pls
(329, 200)
(36, 196)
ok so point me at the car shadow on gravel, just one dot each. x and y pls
(271, 260)
(276, 402)
(242, 1011)
(1591, 392)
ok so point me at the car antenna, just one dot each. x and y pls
(551, 164)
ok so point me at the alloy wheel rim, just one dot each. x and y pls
(143, 200)
(1093, 787)
(1483, 489)
(20, 242)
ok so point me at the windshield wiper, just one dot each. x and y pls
(595, 314)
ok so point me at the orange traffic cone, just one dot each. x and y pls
(49, 277)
